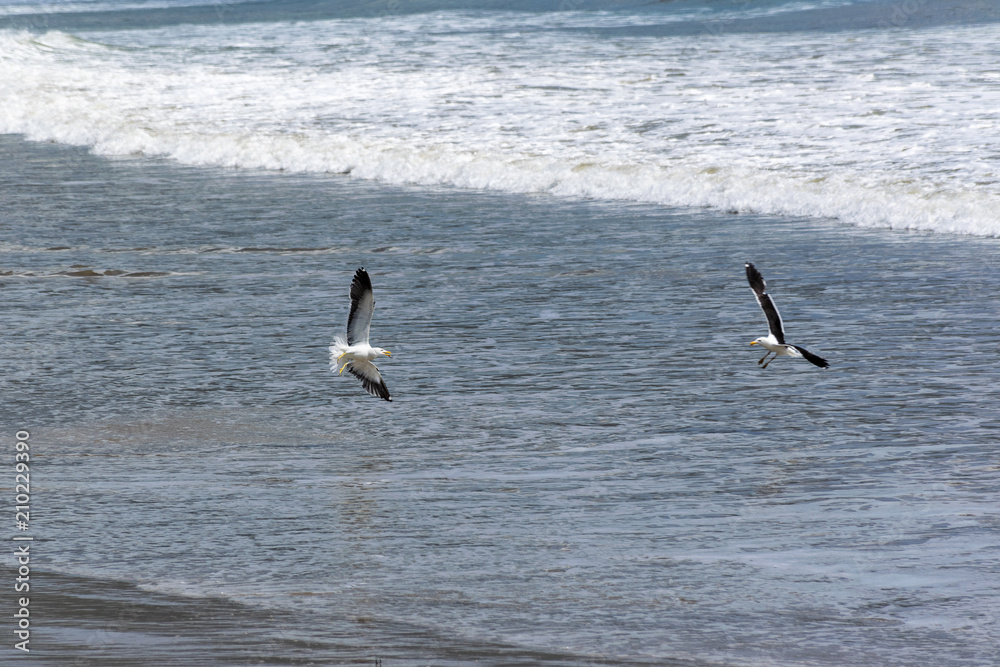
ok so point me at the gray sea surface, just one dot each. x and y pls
(583, 462)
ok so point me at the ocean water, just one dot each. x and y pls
(582, 463)
(881, 128)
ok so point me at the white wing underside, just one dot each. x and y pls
(370, 378)
(362, 308)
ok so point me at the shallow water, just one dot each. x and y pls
(582, 460)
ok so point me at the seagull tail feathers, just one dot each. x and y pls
(338, 348)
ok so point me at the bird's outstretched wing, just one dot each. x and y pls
(362, 307)
(809, 356)
(759, 288)
(370, 378)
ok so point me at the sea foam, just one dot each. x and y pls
(863, 128)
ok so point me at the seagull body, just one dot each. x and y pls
(354, 354)
(774, 341)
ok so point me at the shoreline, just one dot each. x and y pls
(82, 621)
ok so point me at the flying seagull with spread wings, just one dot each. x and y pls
(774, 342)
(355, 354)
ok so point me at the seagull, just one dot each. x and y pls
(355, 354)
(775, 340)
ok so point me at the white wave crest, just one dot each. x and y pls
(635, 120)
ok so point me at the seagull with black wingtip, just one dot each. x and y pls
(355, 354)
(774, 342)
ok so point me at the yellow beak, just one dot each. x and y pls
(753, 342)
(388, 353)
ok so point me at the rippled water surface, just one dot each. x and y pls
(582, 462)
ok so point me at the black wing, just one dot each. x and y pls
(362, 308)
(370, 378)
(759, 288)
(809, 356)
